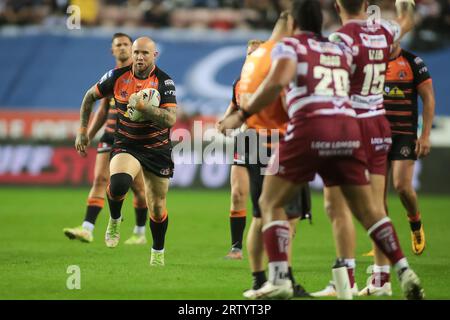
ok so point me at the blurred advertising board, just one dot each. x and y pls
(36, 148)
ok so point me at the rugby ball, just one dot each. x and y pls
(150, 97)
(144, 99)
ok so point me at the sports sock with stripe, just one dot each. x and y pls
(237, 227)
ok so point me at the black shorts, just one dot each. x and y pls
(106, 142)
(158, 162)
(299, 207)
(403, 147)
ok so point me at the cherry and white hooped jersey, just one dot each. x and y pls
(323, 75)
(371, 47)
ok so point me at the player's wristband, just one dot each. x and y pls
(244, 115)
(82, 130)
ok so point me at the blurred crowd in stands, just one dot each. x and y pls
(433, 16)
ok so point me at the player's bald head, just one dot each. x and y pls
(143, 43)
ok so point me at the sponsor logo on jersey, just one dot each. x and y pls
(402, 74)
(139, 85)
(106, 76)
(394, 92)
(325, 47)
(123, 93)
(374, 41)
(169, 82)
(423, 70)
(418, 60)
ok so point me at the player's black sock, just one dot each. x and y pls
(415, 222)
(237, 225)
(92, 213)
(259, 278)
(415, 226)
(94, 206)
(158, 230)
(141, 216)
(115, 206)
(119, 185)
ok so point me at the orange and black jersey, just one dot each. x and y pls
(111, 120)
(405, 75)
(121, 84)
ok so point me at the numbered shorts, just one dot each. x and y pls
(328, 145)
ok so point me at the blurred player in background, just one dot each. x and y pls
(323, 137)
(141, 146)
(274, 117)
(407, 77)
(371, 41)
(107, 112)
(238, 178)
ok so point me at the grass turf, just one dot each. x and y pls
(35, 255)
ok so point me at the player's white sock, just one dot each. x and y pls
(278, 272)
(116, 220)
(350, 263)
(139, 230)
(88, 226)
(401, 264)
(158, 251)
(384, 269)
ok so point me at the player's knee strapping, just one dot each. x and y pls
(119, 185)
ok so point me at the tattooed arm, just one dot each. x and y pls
(163, 117)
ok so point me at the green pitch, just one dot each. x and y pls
(35, 255)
